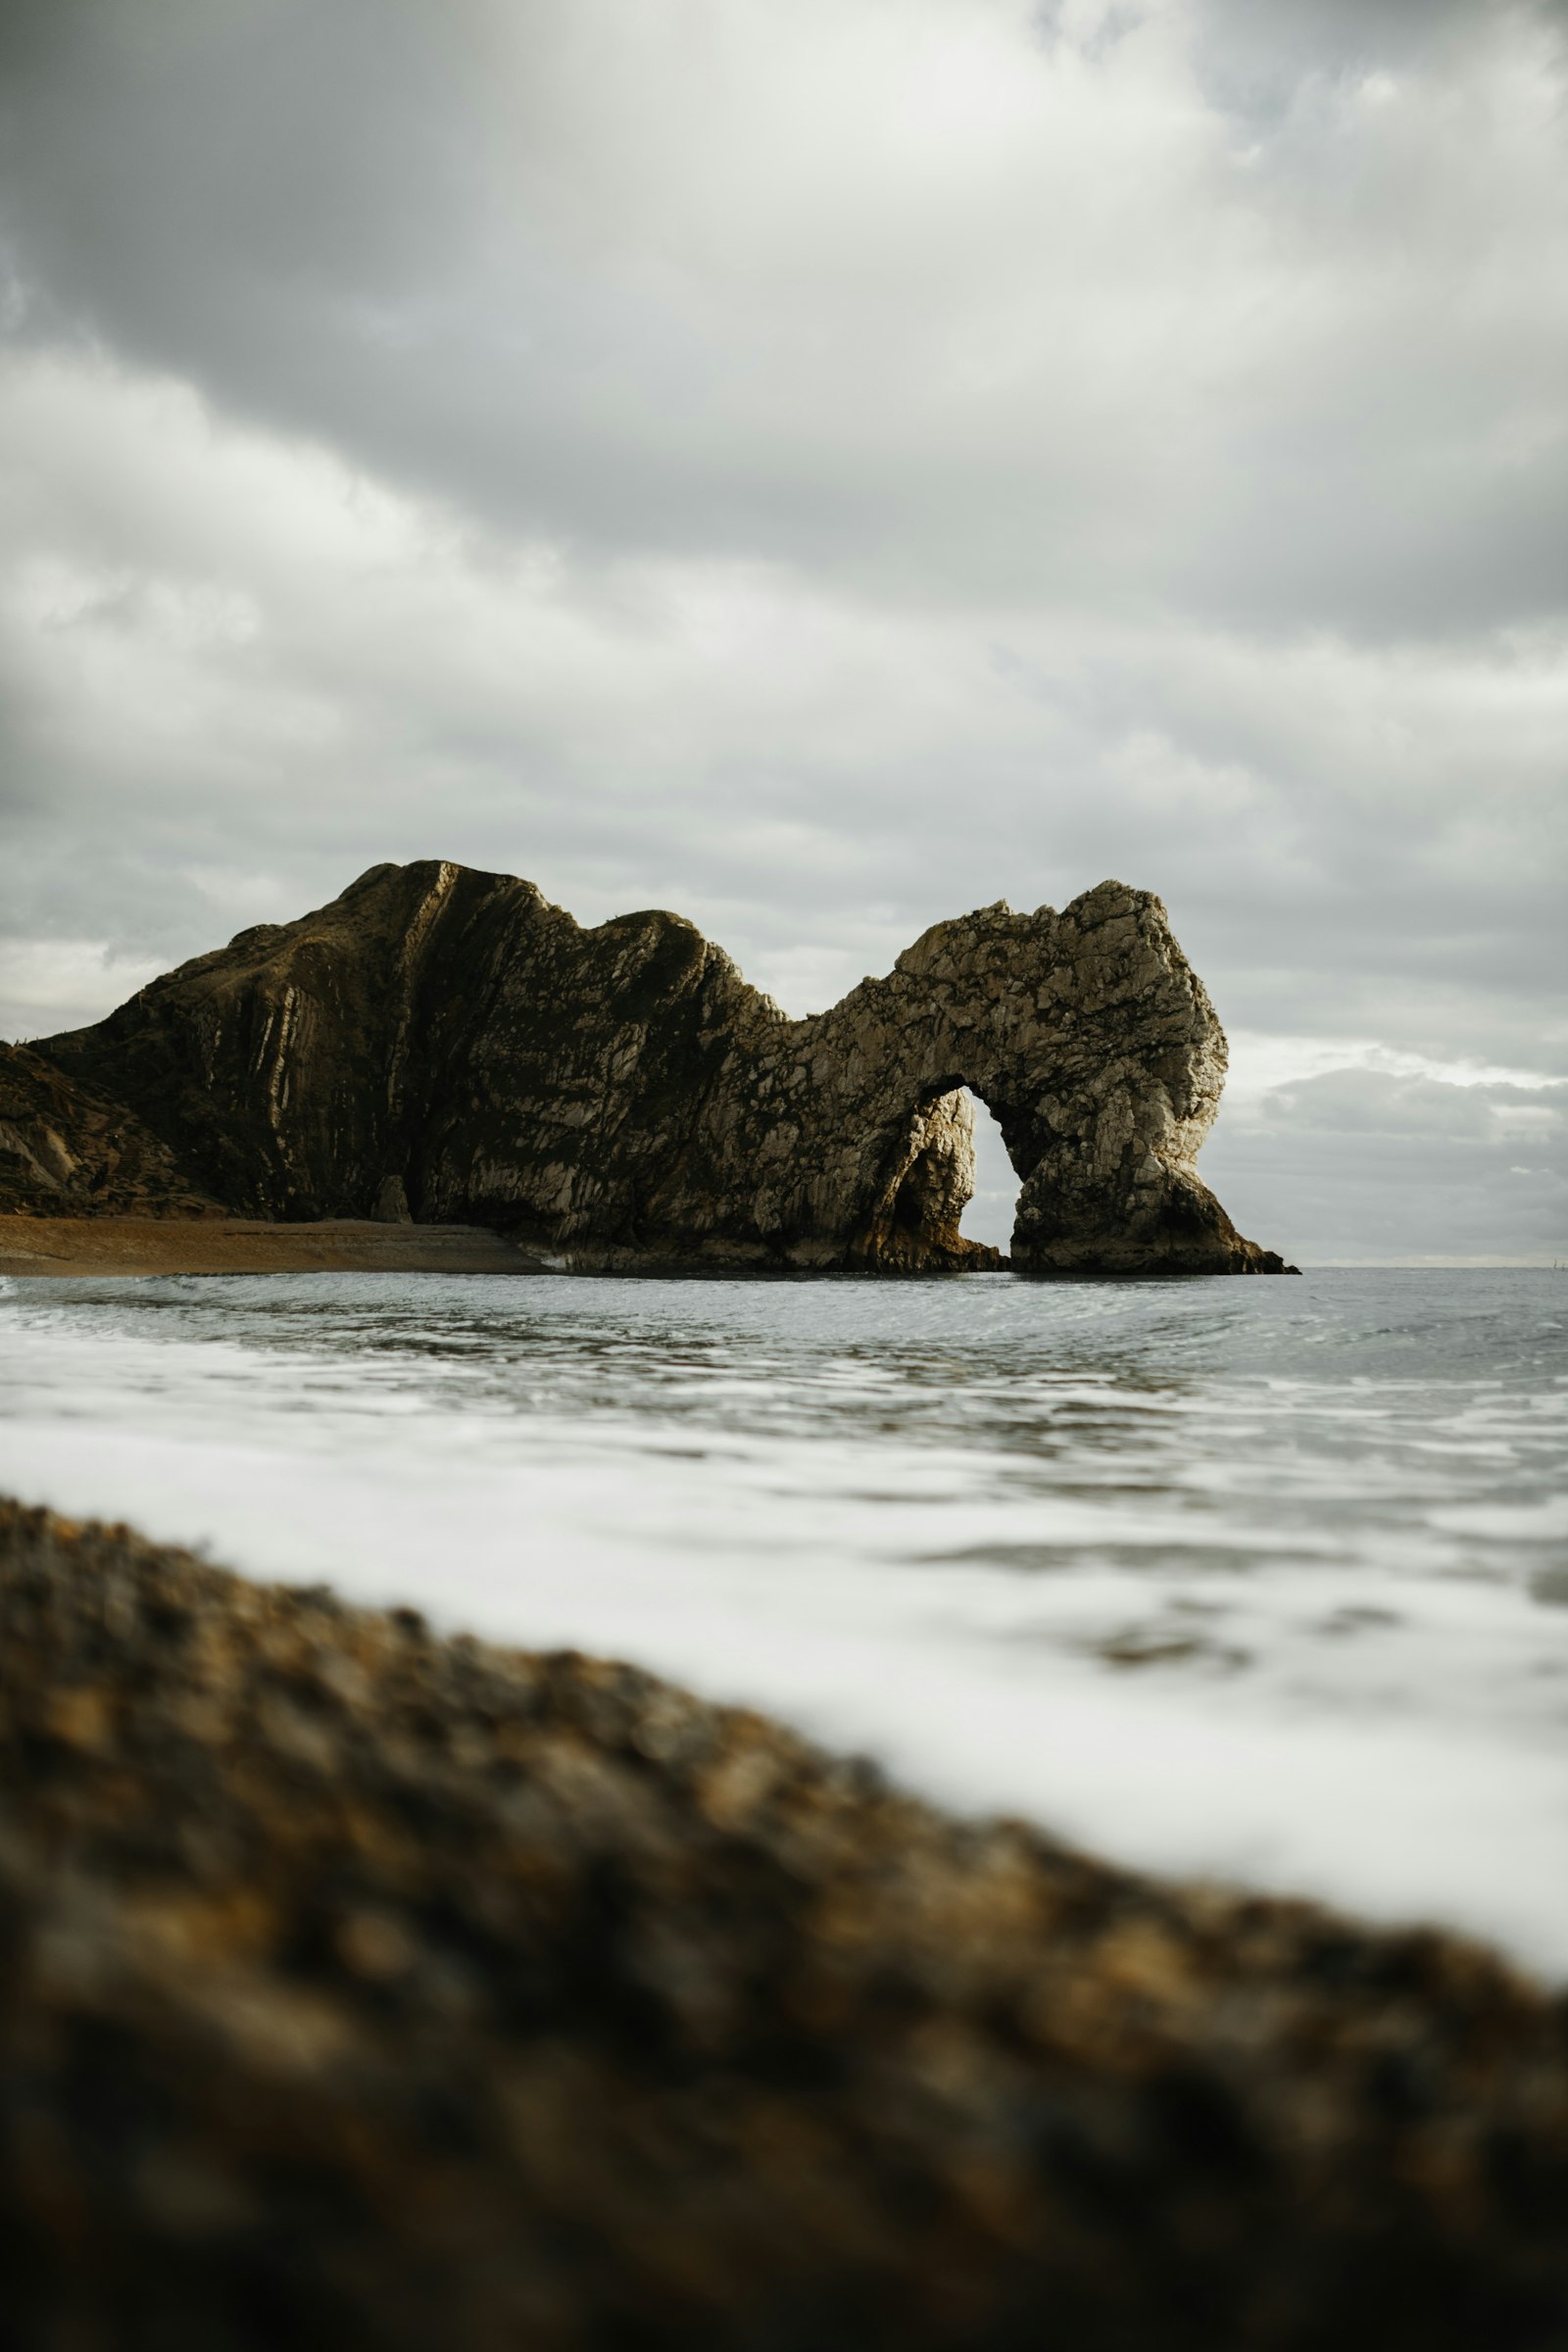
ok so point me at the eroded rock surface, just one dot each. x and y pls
(360, 1988)
(66, 1151)
(446, 1045)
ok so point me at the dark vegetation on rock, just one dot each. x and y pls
(360, 1988)
(447, 1046)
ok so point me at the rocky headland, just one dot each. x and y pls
(444, 1047)
(364, 1987)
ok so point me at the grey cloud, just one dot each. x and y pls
(1316, 32)
(818, 478)
(1360, 1164)
(1382, 1205)
(308, 137)
(1367, 1101)
(493, 271)
(1257, 53)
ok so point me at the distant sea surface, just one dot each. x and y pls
(1265, 1580)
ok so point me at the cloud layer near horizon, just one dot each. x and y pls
(821, 468)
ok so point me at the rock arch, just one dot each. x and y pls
(1093, 1045)
(449, 1042)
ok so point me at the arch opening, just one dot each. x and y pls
(993, 1207)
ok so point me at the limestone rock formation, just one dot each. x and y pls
(447, 1045)
(66, 1150)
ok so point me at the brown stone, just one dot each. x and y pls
(361, 1988)
(68, 1150)
(448, 1044)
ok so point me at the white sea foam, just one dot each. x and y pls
(1255, 1580)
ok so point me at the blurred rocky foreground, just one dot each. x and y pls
(360, 1988)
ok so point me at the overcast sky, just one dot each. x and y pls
(821, 465)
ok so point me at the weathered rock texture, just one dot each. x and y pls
(359, 1989)
(447, 1045)
(68, 1150)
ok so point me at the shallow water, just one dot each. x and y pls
(1265, 1580)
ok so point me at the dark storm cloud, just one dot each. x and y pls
(814, 468)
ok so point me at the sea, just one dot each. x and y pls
(1262, 1582)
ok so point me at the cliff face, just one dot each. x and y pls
(446, 1045)
(66, 1150)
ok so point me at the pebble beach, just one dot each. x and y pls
(362, 1986)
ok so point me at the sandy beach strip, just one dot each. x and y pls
(132, 1246)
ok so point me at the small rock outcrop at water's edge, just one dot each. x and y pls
(364, 1990)
(446, 1046)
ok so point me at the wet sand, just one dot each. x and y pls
(359, 1987)
(99, 1245)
